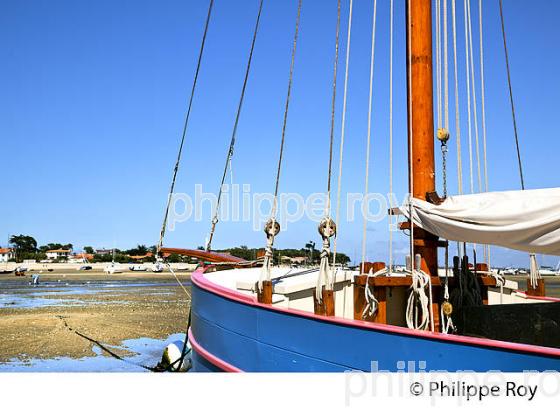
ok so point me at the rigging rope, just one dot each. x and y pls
(234, 132)
(483, 112)
(445, 70)
(438, 63)
(482, 94)
(443, 135)
(271, 231)
(176, 168)
(326, 226)
(511, 98)
(390, 217)
(457, 111)
(410, 161)
(343, 126)
(534, 272)
(468, 83)
(474, 101)
(370, 103)
(333, 105)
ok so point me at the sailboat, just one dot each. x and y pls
(113, 267)
(330, 318)
(549, 270)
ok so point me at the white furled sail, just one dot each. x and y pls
(523, 220)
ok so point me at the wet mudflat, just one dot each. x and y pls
(136, 316)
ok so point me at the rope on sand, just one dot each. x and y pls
(102, 347)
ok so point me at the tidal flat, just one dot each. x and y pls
(51, 326)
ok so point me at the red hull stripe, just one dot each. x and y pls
(216, 361)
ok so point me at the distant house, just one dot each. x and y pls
(58, 253)
(104, 251)
(6, 254)
(296, 260)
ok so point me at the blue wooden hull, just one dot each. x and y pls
(232, 334)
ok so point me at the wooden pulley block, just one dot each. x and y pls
(272, 227)
(327, 228)
(447, 308)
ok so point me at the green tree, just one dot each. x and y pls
(174, 258)
(88, 249)
(23, 243)
(24, 246)
(52, 246)
(138, 251)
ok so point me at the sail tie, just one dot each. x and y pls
(534, 274)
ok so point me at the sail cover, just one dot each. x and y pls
(522, 220)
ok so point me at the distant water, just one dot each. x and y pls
(147, 352)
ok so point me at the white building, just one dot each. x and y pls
(6, 254)
(58, 253)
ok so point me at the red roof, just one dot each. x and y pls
(3, 251)
(87, 256)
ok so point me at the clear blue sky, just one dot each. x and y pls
(93, 96)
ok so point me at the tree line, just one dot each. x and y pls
(26, 248)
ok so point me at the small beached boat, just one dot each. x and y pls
(113, 268)
(138, 268)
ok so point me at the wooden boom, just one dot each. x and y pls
(204, 255)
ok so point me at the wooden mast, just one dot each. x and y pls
(421, 120)
(421, 155)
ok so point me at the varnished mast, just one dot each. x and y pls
(421, 119)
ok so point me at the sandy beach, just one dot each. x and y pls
(39, 322)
